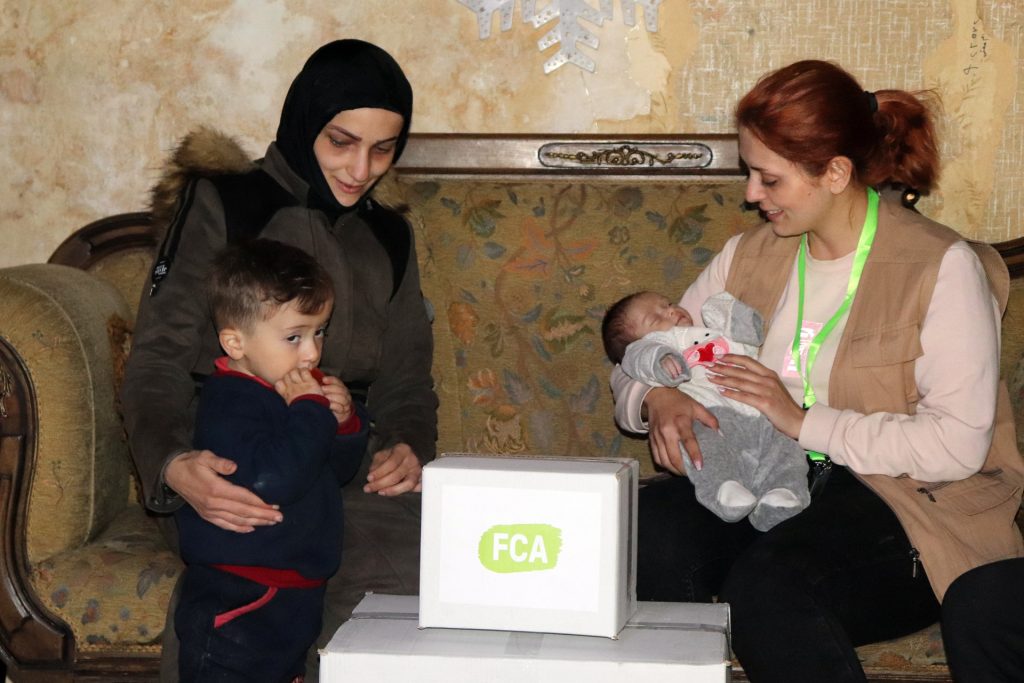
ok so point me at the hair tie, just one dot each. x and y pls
(909, 197)
(872, 101)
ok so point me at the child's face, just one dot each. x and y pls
(652, 312)
(286, 340)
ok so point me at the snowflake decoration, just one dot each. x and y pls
(568, 32)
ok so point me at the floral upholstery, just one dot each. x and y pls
(918, 653)
(1012, 365)
(519, 274)
(95, 560)
(114, 591)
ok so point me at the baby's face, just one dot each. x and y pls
(652, 312)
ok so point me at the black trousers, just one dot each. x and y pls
(381, 553)
(983, 624)
(266, 637)
(802, 595)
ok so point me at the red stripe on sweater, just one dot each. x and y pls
(267, 576)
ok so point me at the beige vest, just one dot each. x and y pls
(954, 525)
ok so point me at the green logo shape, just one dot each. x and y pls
(508, 548)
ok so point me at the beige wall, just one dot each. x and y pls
(93, 94)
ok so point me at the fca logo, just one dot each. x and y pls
(510, 548)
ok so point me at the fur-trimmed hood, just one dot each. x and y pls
(202, 153)
(206, 152)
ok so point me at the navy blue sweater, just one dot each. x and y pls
(287, 455)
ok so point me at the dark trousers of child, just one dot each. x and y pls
(265, 632)
(381, 554)
(983, 624)
(802, 595)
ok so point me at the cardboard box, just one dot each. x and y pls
(529, 544)
(662, 642)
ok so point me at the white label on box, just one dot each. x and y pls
(543, 558)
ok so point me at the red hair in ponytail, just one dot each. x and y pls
(812, 111)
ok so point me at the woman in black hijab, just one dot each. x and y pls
(345, 121)
(339, 78)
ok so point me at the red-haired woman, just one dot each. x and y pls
(881, 359)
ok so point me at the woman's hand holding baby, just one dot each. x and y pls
(671, 414)
(750, 382)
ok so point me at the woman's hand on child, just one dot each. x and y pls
(341, 401)
(750, 382)
(394, 471)
(198, 477)
(671, 414)
(297, 382)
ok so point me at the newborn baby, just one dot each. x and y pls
(750, 468)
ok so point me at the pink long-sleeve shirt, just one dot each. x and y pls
(957, 375)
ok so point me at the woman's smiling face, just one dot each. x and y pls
(793, 201)
(355, 149)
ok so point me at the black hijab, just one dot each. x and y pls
(341, 75)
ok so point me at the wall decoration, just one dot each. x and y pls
(568, 32)
(648, 156)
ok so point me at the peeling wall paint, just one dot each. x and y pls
(94, 94)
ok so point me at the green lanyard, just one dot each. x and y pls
(867, 237)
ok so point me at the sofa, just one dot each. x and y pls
(523, 241)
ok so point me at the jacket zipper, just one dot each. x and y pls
(915, 554)
(915, 558)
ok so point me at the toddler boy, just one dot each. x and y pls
(251, 603)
